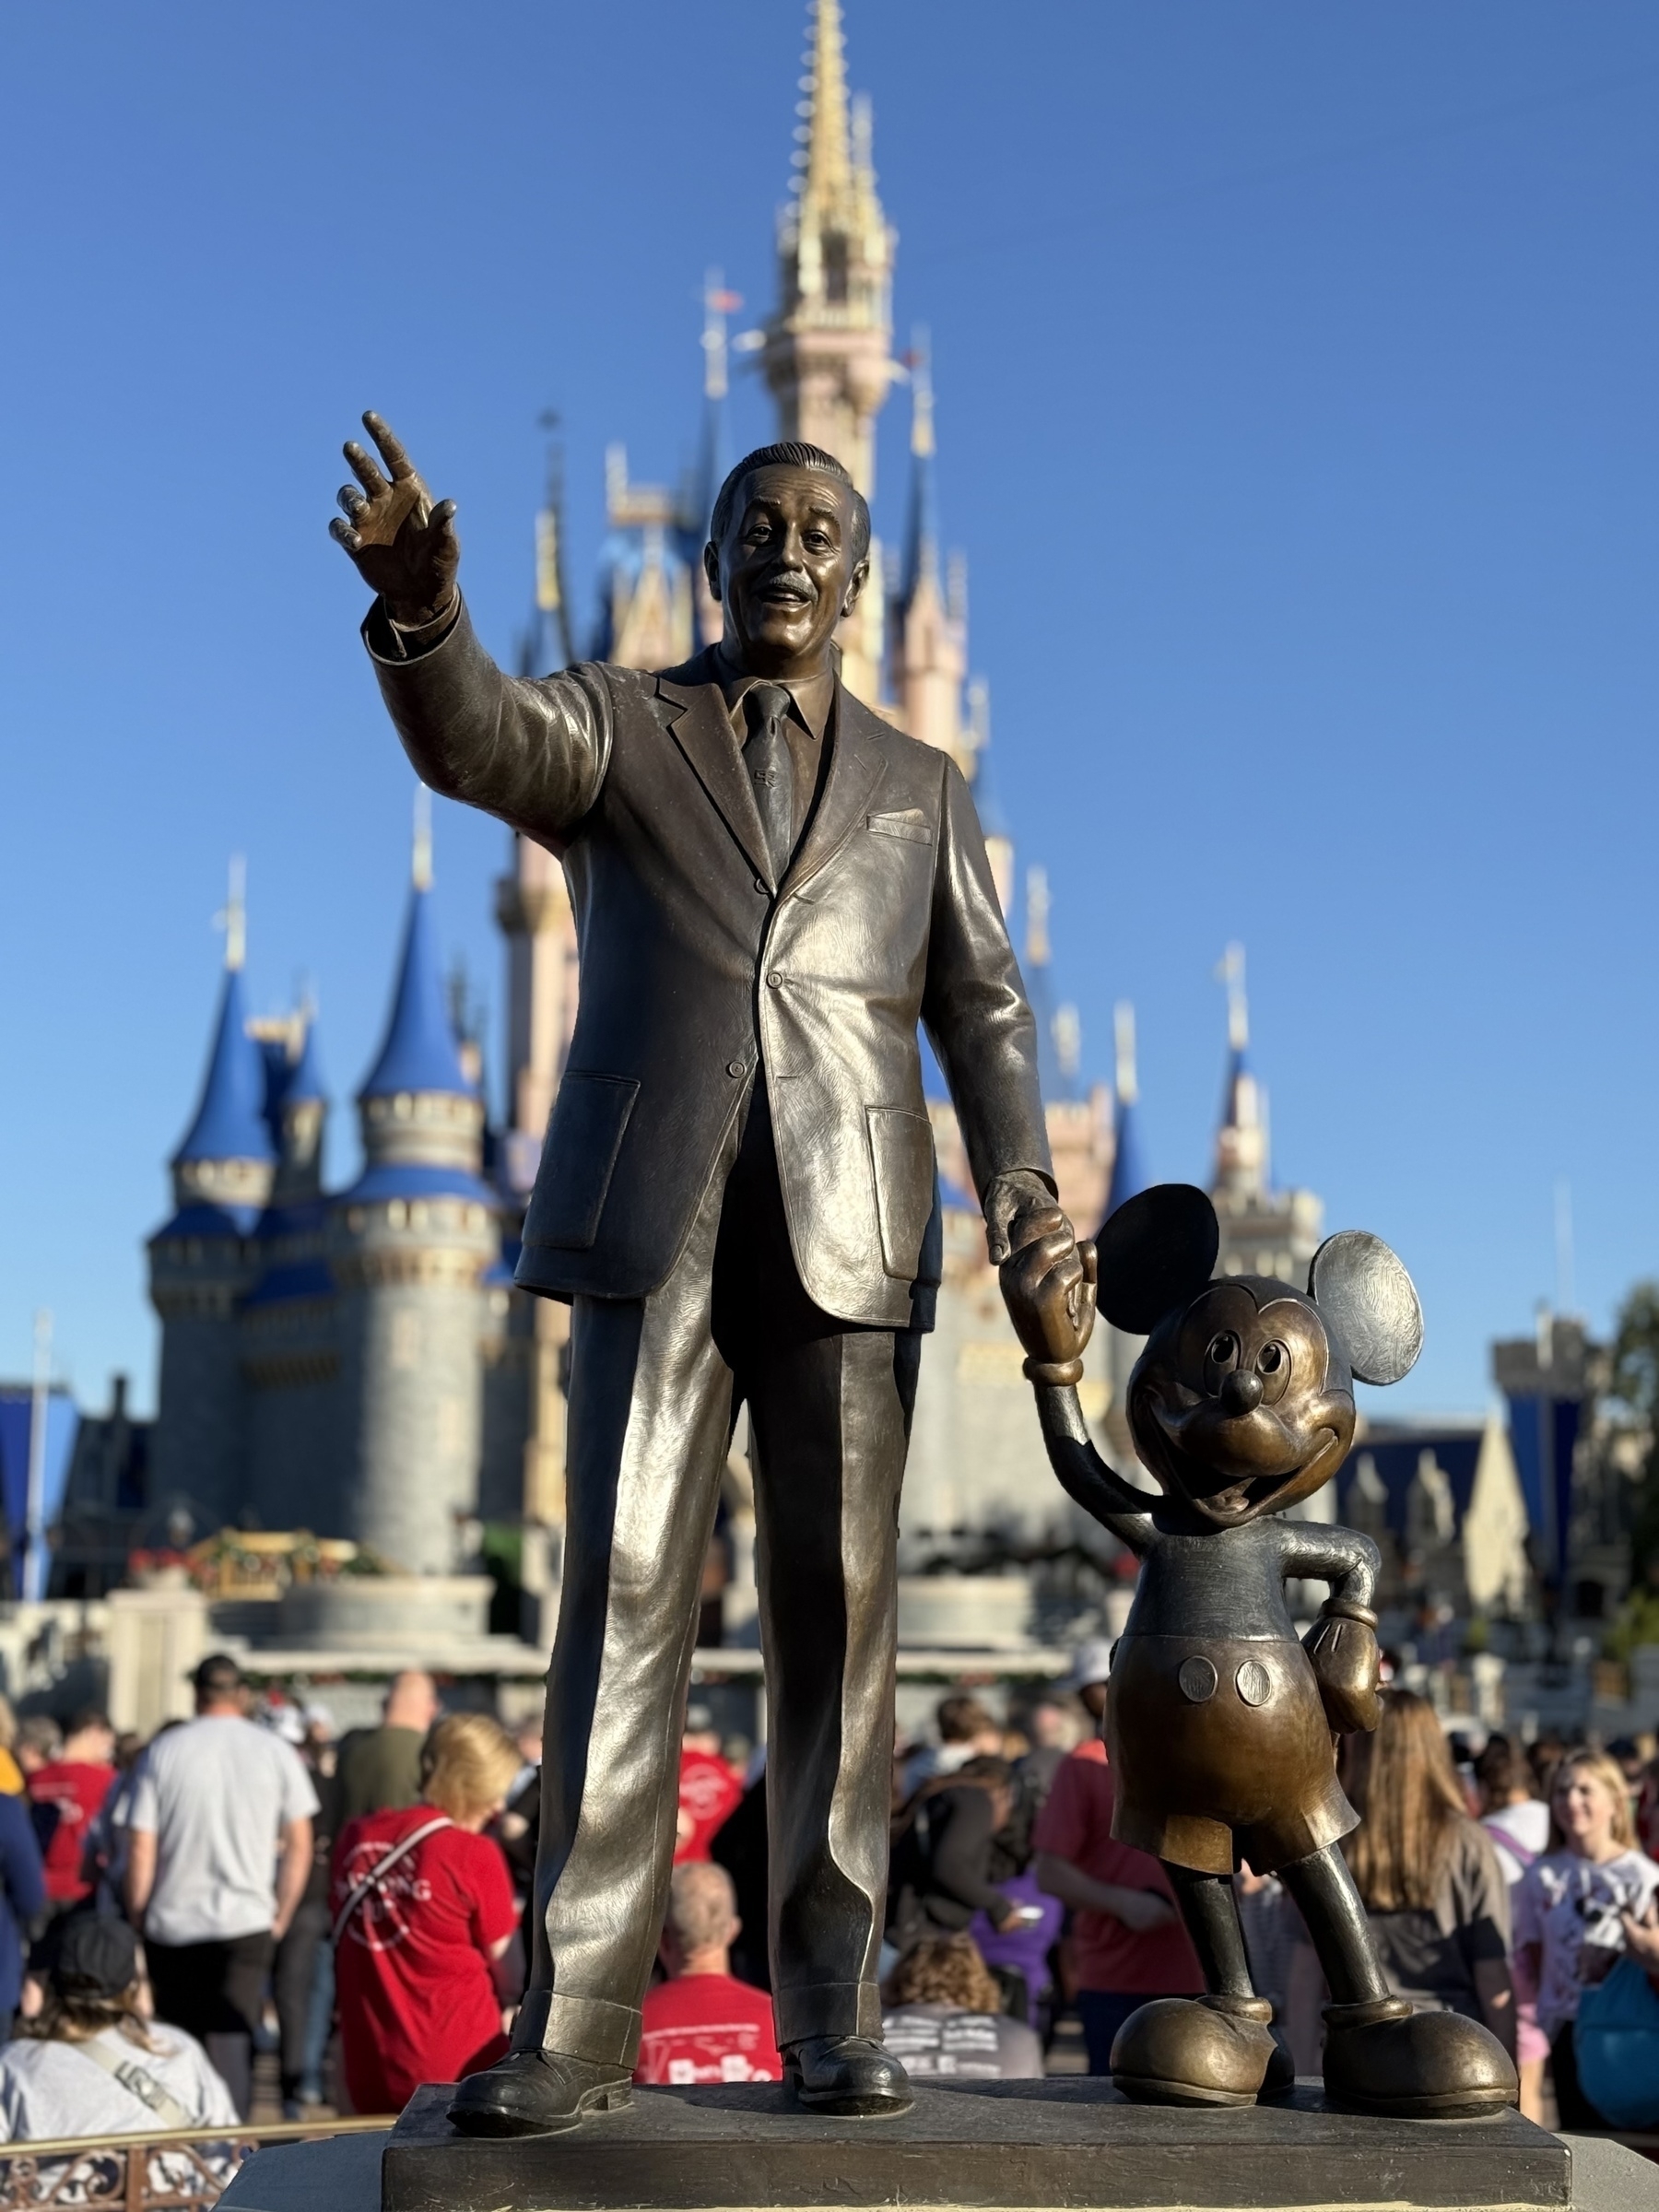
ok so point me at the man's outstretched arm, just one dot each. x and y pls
(533, 753)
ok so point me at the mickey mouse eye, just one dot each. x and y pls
(1223, 1350)
(1272, 1364)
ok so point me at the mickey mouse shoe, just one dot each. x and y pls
(1384, 2058)
(1199, 2051)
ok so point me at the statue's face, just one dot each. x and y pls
(784, 571)
(1239, 1405)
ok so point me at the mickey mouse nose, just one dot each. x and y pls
(1241, 1391)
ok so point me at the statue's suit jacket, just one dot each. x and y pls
(696, 965)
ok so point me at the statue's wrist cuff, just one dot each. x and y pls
(1058, 1373)
(1348, 1608)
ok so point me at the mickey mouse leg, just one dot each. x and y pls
(1217, 2049)
(1379, 2056)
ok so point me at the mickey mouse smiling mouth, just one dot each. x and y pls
(1244, 1405)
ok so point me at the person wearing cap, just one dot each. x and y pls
(89, 2063)
(218, 1856)
(1129, 1942)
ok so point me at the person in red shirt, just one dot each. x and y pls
(708, 1791)
(66, 1796)
(427, 1948)
(1129, 1942)
(702, 2024)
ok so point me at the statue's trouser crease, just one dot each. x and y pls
(654, 1387)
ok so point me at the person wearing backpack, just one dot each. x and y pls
(427, 1949)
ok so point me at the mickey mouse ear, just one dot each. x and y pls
(1370, 1303)
(1155, 1252)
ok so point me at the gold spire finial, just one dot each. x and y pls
(233, 917)
(420, 857)
(1037, 917)
(829, 164)
(1122, 1023)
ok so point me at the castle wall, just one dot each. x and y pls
(290, 1364)
(411, 1318)
(199, 1447)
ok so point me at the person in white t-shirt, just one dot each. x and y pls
(1576, 1906)
(91, 2065)
(220, 1850)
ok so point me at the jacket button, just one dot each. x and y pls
(774, 981)
(734, 1067)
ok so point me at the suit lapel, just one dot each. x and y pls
(857, 763)
(700, 726)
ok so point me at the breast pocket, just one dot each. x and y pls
(585, 1135)
(901, 1146)
(908, 824)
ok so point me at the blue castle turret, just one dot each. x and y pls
(409, 1244)
(203, 1259)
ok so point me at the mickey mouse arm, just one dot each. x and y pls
(1085, 1476)
(1342, 1642)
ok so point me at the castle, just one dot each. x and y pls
(357, 1361)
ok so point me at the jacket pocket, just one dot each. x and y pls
(909, 823)
(901, 1146)
(584, 1134)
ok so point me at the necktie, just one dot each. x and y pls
(766, 755)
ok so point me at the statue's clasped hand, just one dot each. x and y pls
(1048, 1286)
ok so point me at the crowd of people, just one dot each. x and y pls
(362, 1903)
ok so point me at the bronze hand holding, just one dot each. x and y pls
(402, 547)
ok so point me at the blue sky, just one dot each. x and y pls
(1296, 371)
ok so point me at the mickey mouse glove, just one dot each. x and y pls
(1342, 1644)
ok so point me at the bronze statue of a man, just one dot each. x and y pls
(773, 887)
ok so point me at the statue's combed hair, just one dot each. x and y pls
(791, 454)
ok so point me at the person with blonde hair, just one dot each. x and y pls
(1433, 1890)
(1579, 1907)
(427, 1950)
(944, 2016)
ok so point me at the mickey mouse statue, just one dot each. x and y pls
(1220, 1726)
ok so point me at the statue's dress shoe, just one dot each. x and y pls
(847, 2074)
(1199, 2051)
(1384, 2058)
(536, 2093)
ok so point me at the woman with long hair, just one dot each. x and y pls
(1436, 1898)
(1578, 1906)
(427, 1951)
(90, 2063)
(944, 2016)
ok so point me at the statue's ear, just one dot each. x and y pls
(1369, 1303)
(1155, 1252)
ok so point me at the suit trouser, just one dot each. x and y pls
(655, 1385)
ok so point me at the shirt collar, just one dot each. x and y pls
(810, 701)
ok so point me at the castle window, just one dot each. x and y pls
(418, 1214)
(355, 1220)
(397, 1213)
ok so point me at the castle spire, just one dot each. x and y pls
(921, 535)
(1242, 1163)
(418, 1052)
(1128, 1171)
(227, 1151)
(828, 348)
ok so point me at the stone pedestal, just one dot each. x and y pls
(1069, 2142)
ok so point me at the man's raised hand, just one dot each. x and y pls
(402, 546)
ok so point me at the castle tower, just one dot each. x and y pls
(289, 1349)
(1128, 1176)
(203, 1259)
(828, 353)
(929, 629)
(1264, 1231)
(698, 506)
(409, 1243)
